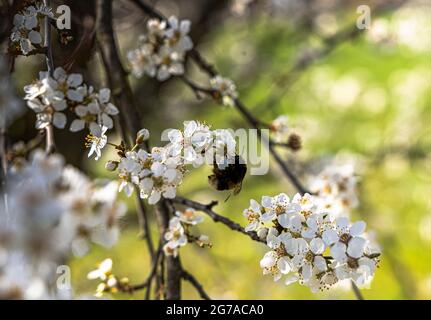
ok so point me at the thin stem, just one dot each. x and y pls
(207, 208)
(50, 142)
(195, 283)
(356, 291)
(145, 227)
(47, 36)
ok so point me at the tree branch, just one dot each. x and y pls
(50, 142)
(207, 208)
(130, 119)
(195, 283)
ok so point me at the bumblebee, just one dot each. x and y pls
(229, 177)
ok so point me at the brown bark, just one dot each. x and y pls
(130, 119)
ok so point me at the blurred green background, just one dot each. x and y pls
(367, 100)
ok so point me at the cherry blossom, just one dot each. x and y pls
(308, 245)
(225, 90)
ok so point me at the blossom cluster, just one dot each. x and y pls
(308, 245)
(51, 96)
(26, 33)
(159, 172)
(336, 187)
(178, 233)
(162, 49)
(52, 210)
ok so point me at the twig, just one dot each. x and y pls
(50, 142)
(356, 291)
(207, 208)
(130, 119)
(153, 272)
(143, 222)
(198, 286)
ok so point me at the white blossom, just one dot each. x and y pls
(189, 216)
(190, 143)
(336, 187)
(50, 96)
(103, 271)
(308, 245)
(162, 49)
(26, 28)
(177, 35)
(175, 237)
(225, 89)
(279, 128)
(253, 215)
(97, 140)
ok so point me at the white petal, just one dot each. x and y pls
(185, 26)
(291, 279)
(342, 223)
(154, 198)
(77, 125)
(320, 263)
(111, 109)
(169, 193)
(283, 265)
(356, 246)
(357, 228)
(107, 121)
(31, 22)
(338, 251)
(330, 236)
(268, 260)
(59, 120)
(81, 111)
(95, 129)
(35, 37)
(74, 80)
(93, 107)
(59, 105)
(266, 202)
(254, 205)
(306, 271)
(104, 95)
(75, 95)
(317, 246)
(283, 220)
(60, 74)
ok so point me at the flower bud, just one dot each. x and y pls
(111, 165)
(142, 136)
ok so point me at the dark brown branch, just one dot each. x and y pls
(173, 264)
(144, 225)
(130, 119)
(207, 208)
(195, 283)
(117, 76)
(50, 142)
